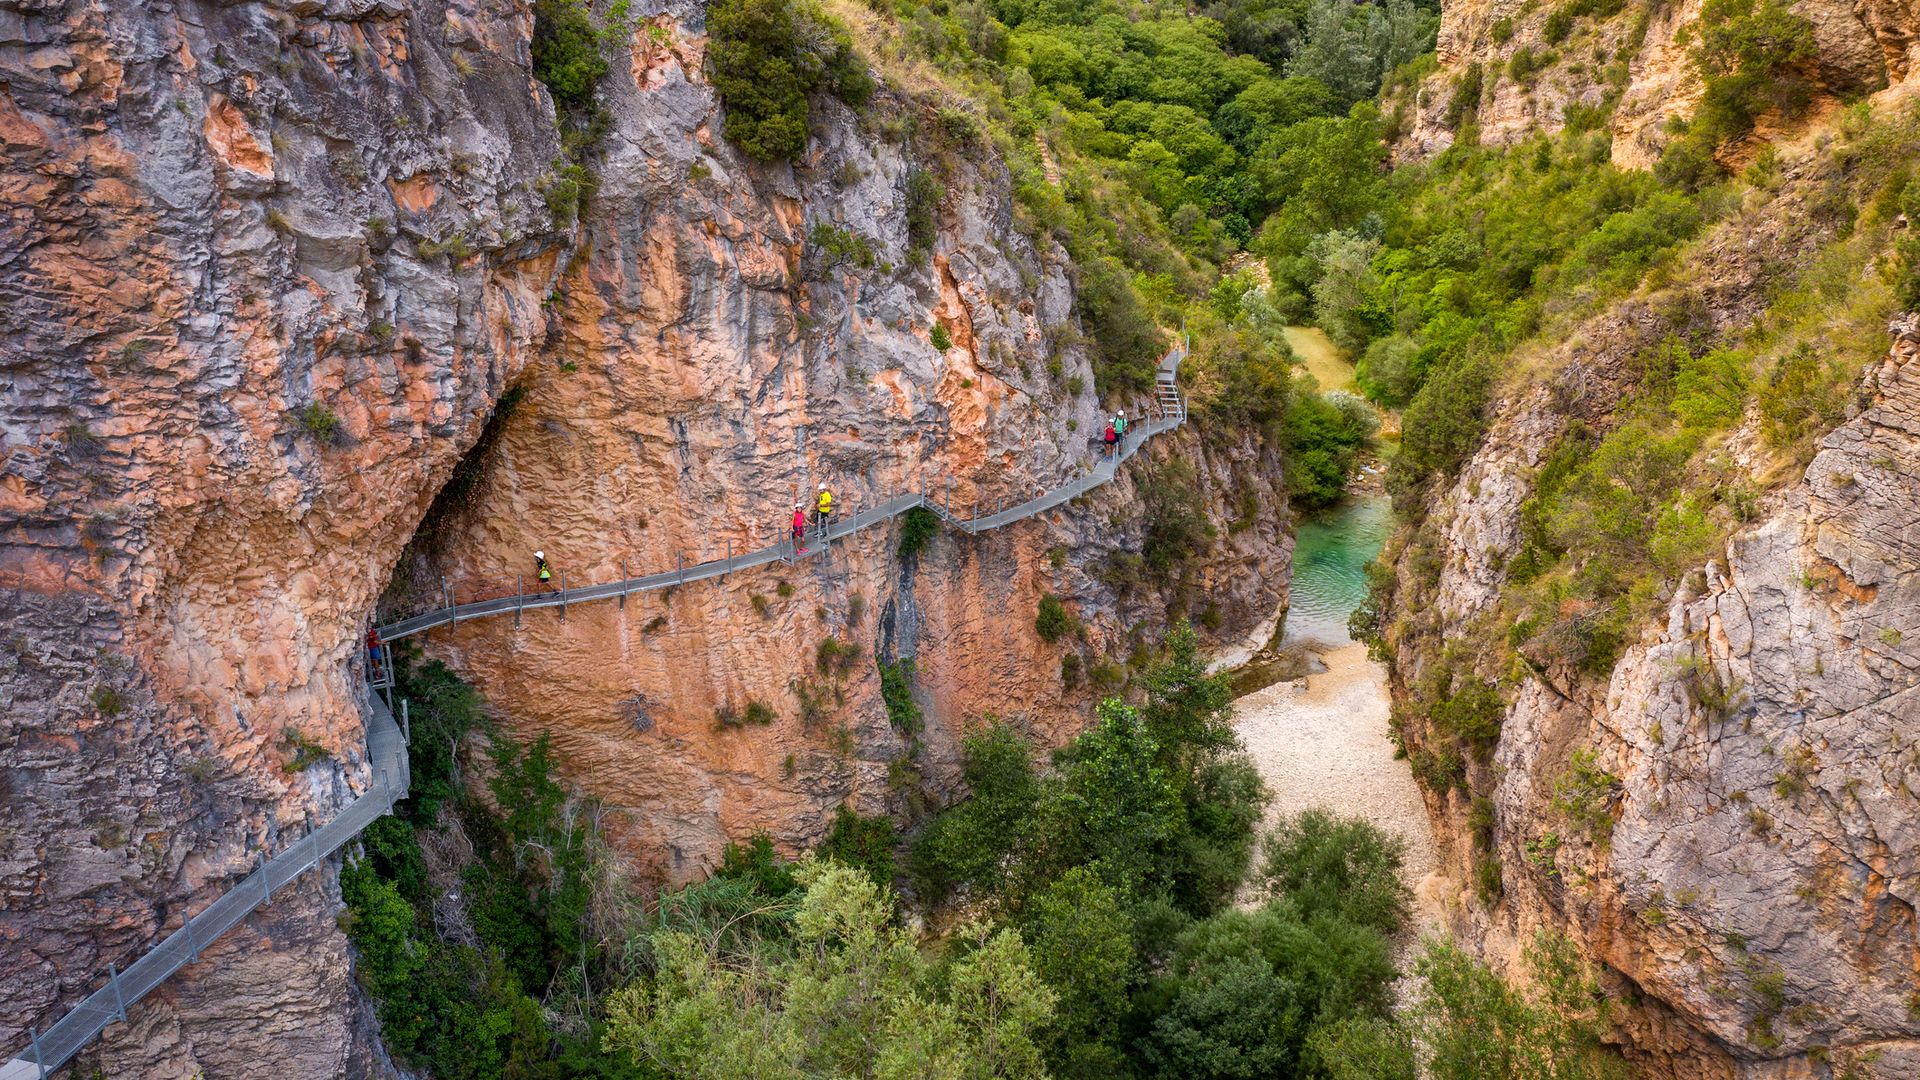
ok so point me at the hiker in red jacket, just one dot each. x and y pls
(1111, 438)
(799, 529)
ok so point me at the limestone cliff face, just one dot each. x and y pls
(1636, 60)
(217, 218)
(1752, 896)
(269, 268)
(708, 363)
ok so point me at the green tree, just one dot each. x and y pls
(1754, 56)
(977, 842)
(1188, 712)
(1082, 941)
(767, 56)
(1343, 294)
(1340, 867)
(862, 842)
(1443, 425)
(1114, 806)
(853, 996)
(567, 53)
(1475, 1026)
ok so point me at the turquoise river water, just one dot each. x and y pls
(1330, 556)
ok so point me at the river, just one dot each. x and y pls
(1322, 740)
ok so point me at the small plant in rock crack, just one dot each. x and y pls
(320, 422)
(1054, 621)
(755, 713)
(306, 753)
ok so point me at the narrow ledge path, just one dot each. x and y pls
(387, 742)
(1172, 411)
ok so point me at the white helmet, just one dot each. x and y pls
(539, 554)
(823, 485)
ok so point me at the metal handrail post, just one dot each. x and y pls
(192, 949)
(519, 598)
(563, 596)
(266, 885)
(623, 584)
(39, 1059)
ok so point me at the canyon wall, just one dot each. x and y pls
(1727, 822)
(707, 366)
(269, 269)
(1624, 66)
(237, 370)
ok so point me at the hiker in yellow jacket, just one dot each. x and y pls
(822, 509)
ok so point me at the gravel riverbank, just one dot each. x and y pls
(1322, 742)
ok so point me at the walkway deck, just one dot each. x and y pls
(1173, 413)
(387, 753)
(387, 745)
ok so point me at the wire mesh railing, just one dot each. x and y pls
(386, 753)
(489, 596)
(849, 518)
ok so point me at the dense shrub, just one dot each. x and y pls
(1338, 867)
(832, 988)
(766, 57)
(896, 690)
(923, 195)
(862, 842)
(1324, 435)
(1054, 621)
(1754, 57)
(1443, 425)
(1474, 1026)
(567, 54)
(1173, 518)
(918, 526)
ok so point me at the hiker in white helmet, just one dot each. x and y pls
(822, 508)
(541, 571)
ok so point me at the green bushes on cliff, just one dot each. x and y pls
(567, 50)
(766, 57)
(1754, 57)
(470, 1010)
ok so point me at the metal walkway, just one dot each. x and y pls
(50, 1049)
(1169, 404)
(387, 743)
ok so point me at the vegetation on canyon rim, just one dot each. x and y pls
(1085, 907)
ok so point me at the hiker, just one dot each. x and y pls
(1120, 430)
(799, 529)
(373, 652)
(822, 509)
(1111, 438)
(542, 572)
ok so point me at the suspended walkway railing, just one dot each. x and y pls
(1169, 405)
(387, 741)
(386, 752)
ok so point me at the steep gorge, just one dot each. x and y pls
(272, 267)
